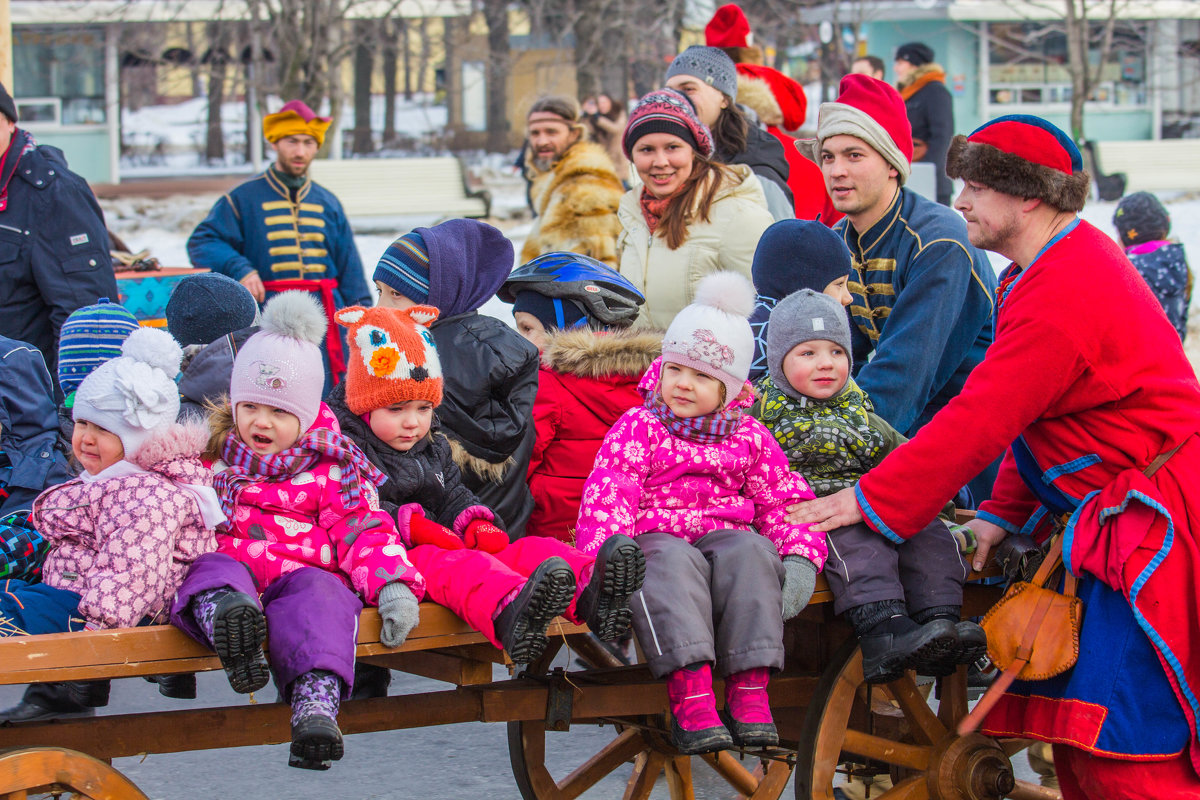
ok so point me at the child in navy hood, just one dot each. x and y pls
(491, 372)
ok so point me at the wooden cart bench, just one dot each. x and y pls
(825, 713)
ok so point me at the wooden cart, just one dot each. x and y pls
(829, 721)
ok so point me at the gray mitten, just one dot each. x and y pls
(799, 580)
(400, 612)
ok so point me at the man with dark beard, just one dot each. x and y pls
(574, 188)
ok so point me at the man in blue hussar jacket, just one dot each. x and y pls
(280, 231)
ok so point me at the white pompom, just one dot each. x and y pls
(296, 315)
(154, 347)
(727, 291)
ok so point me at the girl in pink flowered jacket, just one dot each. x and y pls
(124, 532)
(705, 490)
(305, 531)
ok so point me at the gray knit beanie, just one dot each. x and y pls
(800, 317)
(709, 64)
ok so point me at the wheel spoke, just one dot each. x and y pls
(1013, 746)
(926, 727)
(729, 768)
(877, 748)
(1031, 791)
(908, 789)
(952, 703)
(773, 782)
(645, 772)
(679, 778)
(621, 749)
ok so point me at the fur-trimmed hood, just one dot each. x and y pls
(756, 95)
(776, 98)
(916, 80)
(587, 353)
(1011, 174)
(174, 452)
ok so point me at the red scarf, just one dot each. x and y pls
(653, 208)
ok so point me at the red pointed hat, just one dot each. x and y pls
(728, 28)
(1024, 156)
(871, 110)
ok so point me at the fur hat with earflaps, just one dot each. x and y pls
(1024, 156)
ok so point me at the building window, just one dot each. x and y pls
(67, 65)
(1027, 66)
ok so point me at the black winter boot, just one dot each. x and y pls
(618, 572)
(521, 625)
(894, 643)
(970, 640)
(239, 630)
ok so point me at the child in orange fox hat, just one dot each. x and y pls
(509, 591)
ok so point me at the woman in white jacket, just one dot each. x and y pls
(691, 216)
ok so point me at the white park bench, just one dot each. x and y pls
(1153, 165)
(401, 187)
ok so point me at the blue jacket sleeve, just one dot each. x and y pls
(218, 244)
(28, 427)
(919, 333)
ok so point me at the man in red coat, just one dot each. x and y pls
(1085, 385)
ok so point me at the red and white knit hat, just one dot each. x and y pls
(871, 110)
(667, 111)
(392, 357)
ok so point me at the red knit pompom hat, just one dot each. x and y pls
(871, 110)
(728, 28)
(392, 357)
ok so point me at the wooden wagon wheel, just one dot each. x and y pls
(902, 734)
(54, 770)
(642, 740)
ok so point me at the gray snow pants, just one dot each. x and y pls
(719, 601)
(866, 567)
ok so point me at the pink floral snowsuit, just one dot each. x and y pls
(726, 502)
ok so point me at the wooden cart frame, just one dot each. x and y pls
(829, 721)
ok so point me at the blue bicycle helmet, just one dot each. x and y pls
(604, 294)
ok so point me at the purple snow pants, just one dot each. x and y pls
(312, 618)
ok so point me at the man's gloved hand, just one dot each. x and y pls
(799, 580)
(483, 535)
(400, 612)
(426, 531)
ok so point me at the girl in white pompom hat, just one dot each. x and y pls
(704, 489)
(123, 534)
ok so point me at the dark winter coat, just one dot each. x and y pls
(425, 474)
(205, 379)
(587, 381)
(763, 154)
(1164, 266)
(931, 113)
(53, 247)
(491, 379)
(30, 460)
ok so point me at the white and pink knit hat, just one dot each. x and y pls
(712, 335)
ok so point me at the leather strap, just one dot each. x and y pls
(1050, 563)
(1162, 459)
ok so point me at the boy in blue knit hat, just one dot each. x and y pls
(794, 254)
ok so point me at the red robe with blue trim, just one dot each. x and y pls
(1086, 367)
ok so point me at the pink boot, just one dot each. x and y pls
(749, 708)
(695, 725)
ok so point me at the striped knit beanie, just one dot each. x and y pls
(89, 337)
(404, 266)
(667, 111)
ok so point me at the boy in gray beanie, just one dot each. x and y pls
(906, 596)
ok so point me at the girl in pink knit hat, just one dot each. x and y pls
(305, 531)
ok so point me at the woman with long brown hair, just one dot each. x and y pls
(691, 216)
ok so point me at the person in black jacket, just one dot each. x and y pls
(53, 242)
(708, 77)
(491, 372)
(922, 84)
